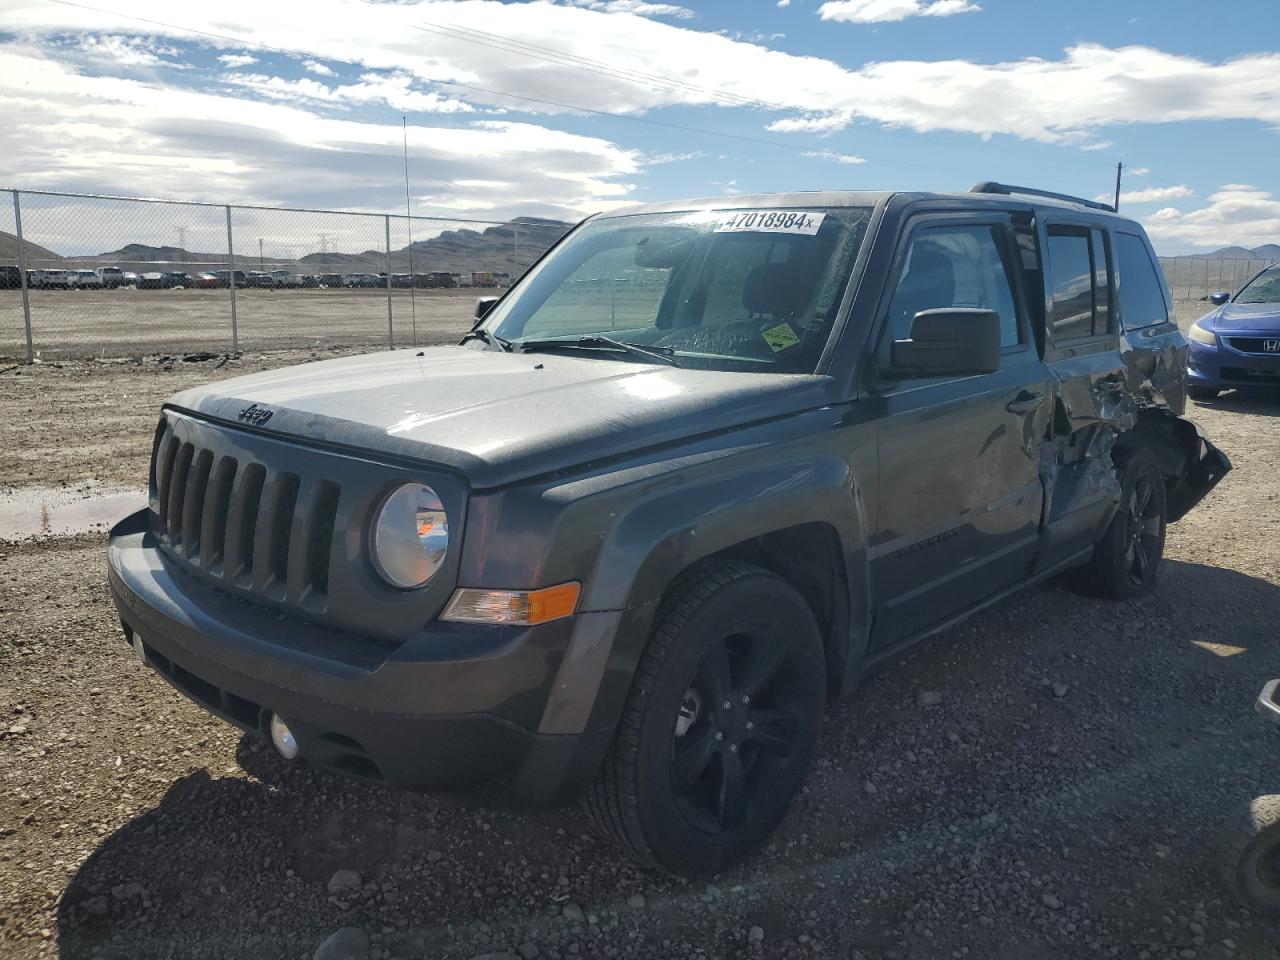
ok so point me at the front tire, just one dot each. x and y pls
(1249, 855)
(720, 726)
(1127, 559)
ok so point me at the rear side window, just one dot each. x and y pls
(954, 266)
(1079, 276)
(1141, 295)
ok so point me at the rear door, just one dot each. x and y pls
(1090, 382)
(959, 492)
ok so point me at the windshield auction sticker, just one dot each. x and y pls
(780, 337)
(771, 221)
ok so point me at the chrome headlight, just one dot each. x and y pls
(1200, 335)
(410, 536)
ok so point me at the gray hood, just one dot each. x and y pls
(499, 417)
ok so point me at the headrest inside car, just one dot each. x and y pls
(773, 289)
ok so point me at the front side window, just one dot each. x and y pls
(955, 266)
(747, 289)
(1141, 294)
(1264, 288)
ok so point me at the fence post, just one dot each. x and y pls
(22, 270)
(231, 284)
(391, 335)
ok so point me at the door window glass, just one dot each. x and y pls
(1071, 273)
(957, 266)
(1141, 295)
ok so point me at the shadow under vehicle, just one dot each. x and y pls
(696, 472)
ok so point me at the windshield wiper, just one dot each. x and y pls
(485, 337)
(658, 354)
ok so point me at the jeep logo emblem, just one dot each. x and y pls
(255, 415)
(1271, 346)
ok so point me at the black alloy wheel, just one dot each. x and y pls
(720, 725)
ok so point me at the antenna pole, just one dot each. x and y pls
(408, 219)
(1116, 205)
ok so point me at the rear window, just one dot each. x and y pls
(1142, 301)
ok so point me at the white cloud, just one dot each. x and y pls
(233, 60)
(640, 8)
(1237, 214)
(314, 66)
(845, 158)
(1149, 195)
(784, 3)
(394, 90)
(1067, 100)
(1138, 171)
(68, 130)
(886, 11)
(123, 51)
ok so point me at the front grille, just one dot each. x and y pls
(1245, 375)
(1254, 344)
(242, 523)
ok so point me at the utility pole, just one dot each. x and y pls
(1116, 205)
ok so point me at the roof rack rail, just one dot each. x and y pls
(990, 186)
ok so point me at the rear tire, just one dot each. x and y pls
(720, 726)
(1249, 855)
(1201, 394)
(1127, 559)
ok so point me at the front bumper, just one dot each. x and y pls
(1222, 367)
(455, 708)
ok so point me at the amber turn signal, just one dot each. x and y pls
(517, 607)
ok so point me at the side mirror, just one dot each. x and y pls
(483, 306)
(1219, 298)
(949, 342)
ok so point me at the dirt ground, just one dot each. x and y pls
(1061, 800)
(125, 322)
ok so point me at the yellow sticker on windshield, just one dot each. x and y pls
(780, 337)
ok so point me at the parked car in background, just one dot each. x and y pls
(10, 277)
(482, 278)
(85, 279)
(331, 280)
(50, 279)
(630, 550)
(1238, 343)
(401, 280)
(112, 277)
(207, 281)
(128, 279)
(464, 279)
(308, 280)
(225, 277)
(257, 278)
(283, 278)
(151, 280)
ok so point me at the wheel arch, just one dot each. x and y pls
(803, 519)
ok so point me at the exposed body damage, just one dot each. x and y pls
(626, 540)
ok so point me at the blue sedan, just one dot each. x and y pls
(1238, 343)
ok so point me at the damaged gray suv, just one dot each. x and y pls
(697, 472)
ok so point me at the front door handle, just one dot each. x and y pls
(1024, 402)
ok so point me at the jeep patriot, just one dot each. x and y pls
(698, 471)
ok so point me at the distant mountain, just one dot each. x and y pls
(1268, 251)
(37, 256)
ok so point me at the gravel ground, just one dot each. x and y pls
(1044, 781)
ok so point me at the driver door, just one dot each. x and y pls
(960, 496)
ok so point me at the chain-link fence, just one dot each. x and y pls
(84, 275)
(1192, 279)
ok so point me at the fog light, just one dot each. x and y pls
(282, 739)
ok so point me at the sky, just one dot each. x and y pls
(565, 108)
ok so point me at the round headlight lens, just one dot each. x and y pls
(1200, 335)
(410, 536)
